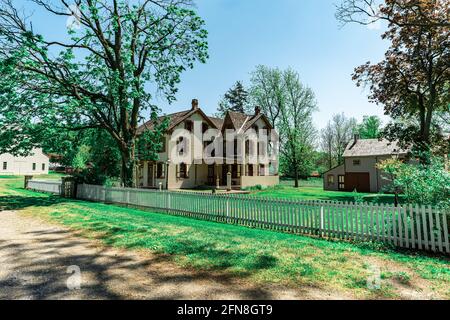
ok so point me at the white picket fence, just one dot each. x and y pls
(414, 227)
(51, 186)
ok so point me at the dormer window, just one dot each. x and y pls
(188, 125)
(204, 127)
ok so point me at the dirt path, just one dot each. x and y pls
(37, 260)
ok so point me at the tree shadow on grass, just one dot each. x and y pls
(23, 202)
(38, 269)
(206, 261)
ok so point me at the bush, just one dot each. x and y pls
(422, 184)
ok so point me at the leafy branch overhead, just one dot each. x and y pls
(102, 75)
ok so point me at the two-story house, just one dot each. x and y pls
(359, 170)
(196, 171)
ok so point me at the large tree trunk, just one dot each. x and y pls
(127, 172)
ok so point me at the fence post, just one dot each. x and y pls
(25, 183)
(321, 222)
(67, 187)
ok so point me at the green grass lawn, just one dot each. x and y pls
(257, 256)
(312, 189)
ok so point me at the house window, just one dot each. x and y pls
(34, 166)
(182, 171)
(5, 165)
(160, 170)
(43, 167)
(250, 170)
(341, 182)
(182, 145)
(330, 179)
(189, 125)
(204, 127)
(356, 162)
(262, 170)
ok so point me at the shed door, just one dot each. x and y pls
(357, 180)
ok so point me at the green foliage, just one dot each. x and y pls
(358, 197)
(99, 76)
(370, 128)
(289, 105)
(235, 99)
(423, 184)
(81, 158)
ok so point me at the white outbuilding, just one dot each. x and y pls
(34, 164)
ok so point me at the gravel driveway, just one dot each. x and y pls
(39, 260)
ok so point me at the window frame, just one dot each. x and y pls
(160, 170)
(183, 174)
(356, 162)
(33, 166)
(5, 165)
(189, 125)
(262, 170)
(330, 182)
(341, 182)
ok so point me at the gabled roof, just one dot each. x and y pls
(177, 118)
(238, 119)
(174, 118)
(372, 147)
(217, 121)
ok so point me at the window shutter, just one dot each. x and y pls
(238, 170)
(187, 171)
(178, 171)
(163, 171)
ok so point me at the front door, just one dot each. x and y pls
(359, 181)
(150, 176)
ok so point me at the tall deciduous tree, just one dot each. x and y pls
(412, 81)
(235, 99)
(296, 129)
(267, 91)
(327, 144)
(335, 137)
(289, 106)
(101, 76)
(370, 11)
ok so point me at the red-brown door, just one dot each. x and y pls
(359, 181)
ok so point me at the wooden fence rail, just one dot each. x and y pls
(51, 186)
(421, 228)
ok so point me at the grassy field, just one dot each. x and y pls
(257, 256)
(312, 189)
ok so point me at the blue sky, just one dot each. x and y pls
(302, 34)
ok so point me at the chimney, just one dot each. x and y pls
(257, 110)
(355, 140)
(194, 104)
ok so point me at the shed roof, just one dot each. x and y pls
(372, 147)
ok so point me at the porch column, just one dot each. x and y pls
(217, 176)
(145, 174)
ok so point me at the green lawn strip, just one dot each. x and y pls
(315, 193)
(258, 255)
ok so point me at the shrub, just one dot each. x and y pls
(423, 184)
